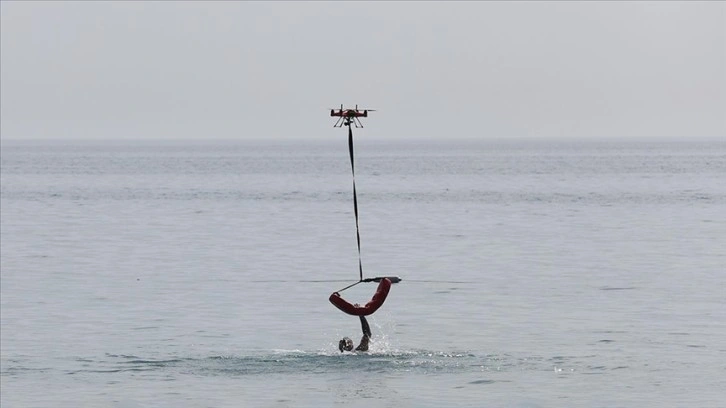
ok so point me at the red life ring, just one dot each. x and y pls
(357, 310)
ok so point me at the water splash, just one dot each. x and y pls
(381, 358)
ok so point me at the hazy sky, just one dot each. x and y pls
(237, 70)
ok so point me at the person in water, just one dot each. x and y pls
(346, 344)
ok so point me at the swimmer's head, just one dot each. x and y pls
(346, 344)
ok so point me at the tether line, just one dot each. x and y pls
(355, 198)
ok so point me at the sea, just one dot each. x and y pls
(534, 273)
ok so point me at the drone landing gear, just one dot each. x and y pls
(348, 122)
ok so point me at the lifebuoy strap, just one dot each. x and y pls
(374, 304)
(355, 198)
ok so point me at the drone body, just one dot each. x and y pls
(349, 116)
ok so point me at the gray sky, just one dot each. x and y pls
(239, 70)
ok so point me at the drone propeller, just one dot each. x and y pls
(356, 109)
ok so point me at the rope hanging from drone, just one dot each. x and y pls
(347, 123)
(355, 198)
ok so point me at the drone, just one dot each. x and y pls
(350, 116)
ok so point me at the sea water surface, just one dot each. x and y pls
(196, 274)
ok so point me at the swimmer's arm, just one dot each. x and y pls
(363, 346)
(364, 326)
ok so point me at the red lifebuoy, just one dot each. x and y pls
(356, 310)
